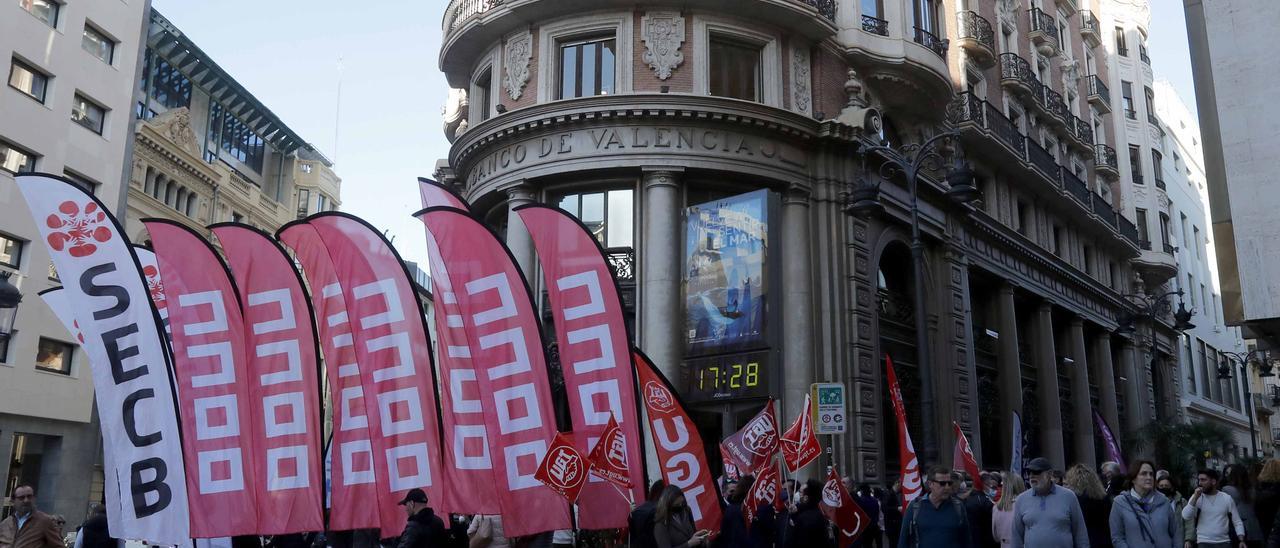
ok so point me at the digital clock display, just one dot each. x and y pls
(738, 376)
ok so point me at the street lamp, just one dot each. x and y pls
(862, 199)
(1150, 307)
(10, 297)
(1264, 368)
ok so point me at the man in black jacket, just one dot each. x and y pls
(640, 523)
(423, 529)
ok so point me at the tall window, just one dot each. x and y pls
(11, 251)
(81, 181)
(28, 80)
(322, 203)
(1144, 233)
(483, 99)
(735, 69)
(1023, 218)
(1126, 93)
(1157, 166)
(926, 15)
(609, 215)
(168, 86)
(54, 356)
(1122, 46)
(88, 114)
(587, 67)
(1088, 260)
(1195, 244)
(1135, 163)
(1059, 236)
(235, 137)
(44, 10)
(97, 44)
(1164, 229)
(1191, 292)
(873, 8)
(304, 201)
(1151, 103)
(15, 160)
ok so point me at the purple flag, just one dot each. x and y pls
(1109, 439)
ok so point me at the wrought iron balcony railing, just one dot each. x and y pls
(1084, 133)
(1044, 29)
(1129, 230)
(1130, 114)
(1053, 103)
(1077, 188)
(1105, 157)
(1017, 71)
(968, 108)
(1169, 249)
(1137, 178)
(1151, 119)
(1144, 245)
(1098, 89)
(1005, 131)
(931, 41)
(977, 28)
(875, 26)
(1160, 184)
(1090, 29)
(1102, 209)
(1042, 160)
(1142, 54)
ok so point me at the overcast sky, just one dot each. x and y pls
(286, 52)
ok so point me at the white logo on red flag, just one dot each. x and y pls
(799, 444)
(658, 397)
(963, 456)
(608, 458)
(563, 469)
(838, 505)
(764, 491)
(755, 442)
(911, 485)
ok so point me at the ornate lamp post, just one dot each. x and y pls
(1150, 307)
(1263, 364)
(862, 199)
(10, 298)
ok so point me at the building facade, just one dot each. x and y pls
(1234, 73)
(208, 151)
(657, 122)
(65, 111)
(1204, 348)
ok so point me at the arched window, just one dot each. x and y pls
(149, 182)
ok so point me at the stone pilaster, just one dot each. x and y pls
(660, 270)
(1083, 411)
(1104, 372)
(1008, 362)
(518, 239)
(1046, 361)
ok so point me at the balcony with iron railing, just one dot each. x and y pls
(1016, 73)
(1090, 28)
(460, 12)
(1169, 249)
(975, 35)
(1075, 187)
(931, 41)
(1044, 32)
(1129, 231)
(1054, 107)
(1151, 119)
(1103, 210)
(1142, 54)
(1160, 183)
(1130, 113)
(1042, 160)
(1098, 94)
(1105, 161)
(1081, 136)
(875, 26)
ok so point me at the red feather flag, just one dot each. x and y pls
(799, 444)
(963, 455)
(563, 469)
(911, 487)
(838, 505)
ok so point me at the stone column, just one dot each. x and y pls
(1133, 388)
(797, 303)
(1051, 444)
(660, 270)
(1082, 407)
(518, 239)
(1009, 362)
(1106, 374)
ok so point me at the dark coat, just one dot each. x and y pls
(1097, 518)
(423, 530)
(1266, 504)
(94, 534)
(808, 528)
(978, 507)
(640, 526)
(733, 528)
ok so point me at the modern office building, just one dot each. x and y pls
(1178, 168)
(208, 151)
(727, 155)
(66, 110)
(1235, 73)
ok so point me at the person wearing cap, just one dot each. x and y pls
(1047, 515)
(423, 529)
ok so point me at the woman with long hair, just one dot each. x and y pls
(1236, 482)
(673, 521)
(1094, 503)
(1266, 503)
(1002, 516)
(1143, 517)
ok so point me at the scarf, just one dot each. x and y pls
(1144, 517)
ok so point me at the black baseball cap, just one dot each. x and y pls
(414, 495)
(1039, 464)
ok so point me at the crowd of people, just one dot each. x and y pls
(1048, 508)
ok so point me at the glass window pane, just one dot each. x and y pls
(87, 114)
(607, 67)
(570, 203)
(27, 80)
(593, 214)
(54, 356)
(14, 160)
(621, 222)
(97, 44)
(44, 10)
(588, 84)
(735, 70)
(10, 252)
(568, 72)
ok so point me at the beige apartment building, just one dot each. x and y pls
(208, 151)
(66, 110)
(1039, 299)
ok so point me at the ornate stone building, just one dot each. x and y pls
(647, 119)
(207, 151)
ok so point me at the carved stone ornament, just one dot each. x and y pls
(801, 88)
(516, 62)
(663, 33)
(175, 125)
(455, 112)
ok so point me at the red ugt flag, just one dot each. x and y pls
(765, 490)
(838, 505)
(911, 487)
(963, 455)
(799, 444)
(563, 469)
(750, 447)
(608, 458)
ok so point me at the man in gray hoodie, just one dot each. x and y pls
(1047, 516)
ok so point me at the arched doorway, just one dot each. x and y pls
(895, 314)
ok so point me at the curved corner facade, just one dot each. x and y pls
(651, 121)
